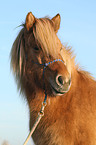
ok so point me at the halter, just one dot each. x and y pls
(45, 65)
(41, 113)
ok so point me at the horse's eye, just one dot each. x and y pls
(36, 48)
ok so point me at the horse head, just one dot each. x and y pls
(38, 44)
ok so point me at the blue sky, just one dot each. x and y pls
(78, 29)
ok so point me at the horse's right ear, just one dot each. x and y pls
(30, 20)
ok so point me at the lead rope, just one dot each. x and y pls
(41, 113)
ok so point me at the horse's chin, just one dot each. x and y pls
(57, 93)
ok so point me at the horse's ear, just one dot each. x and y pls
(56, 22)
(30, 20)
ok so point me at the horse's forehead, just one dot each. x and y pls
(47, 38)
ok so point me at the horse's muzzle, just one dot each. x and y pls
(60, 85)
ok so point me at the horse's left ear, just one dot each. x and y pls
(56, 22)
(30, 20)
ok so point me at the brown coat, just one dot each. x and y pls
(70, 114)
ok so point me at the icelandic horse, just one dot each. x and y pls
(70, 114)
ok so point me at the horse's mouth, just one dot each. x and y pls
(56, 92)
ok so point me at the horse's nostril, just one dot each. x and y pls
(60, 80)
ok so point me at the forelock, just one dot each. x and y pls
(45, 35)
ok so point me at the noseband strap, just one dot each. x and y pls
(46, 64)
